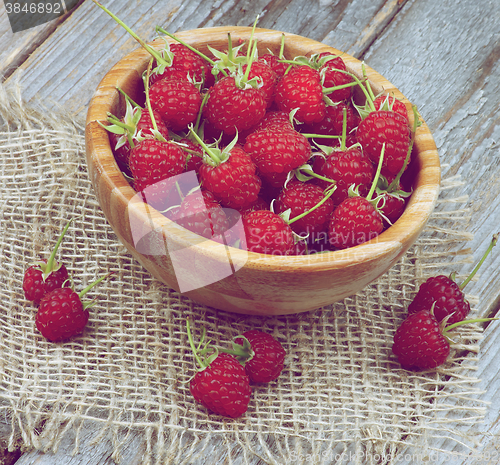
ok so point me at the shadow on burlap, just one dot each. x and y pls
(341, 398)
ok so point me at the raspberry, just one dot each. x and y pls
(276, 152)
(331, 125)
(264, 359)
(62, 314)
(46, 275)
(389, 128)
(346, 168)
(353, 222)
(301, 197)
(444, 296)
(333, 72)
(35, 286)
(447, 297)
(232, 181)
(230, 108)
(268, 79)
(152, 160)
(184, 62)
(177, 101)
(268, 233)
(419, 343)
(221, 383)
(301, 88)
(200, 213)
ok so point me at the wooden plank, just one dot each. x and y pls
(66, 71)
(17, 47)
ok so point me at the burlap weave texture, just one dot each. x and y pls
(341, 392)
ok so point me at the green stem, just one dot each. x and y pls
(196, 126)
(95, 283)
(368, 86)
(154, 53)
(118, 122)
(344, 129)
(463, 322)
(317, 176)
(51, 260)
(476, 268)
(369, 98)
(377, 174)
(282, 46)
(190, 47)
(210, 152)
(146, 90)
(321, 202)
(329, 90)
(320, 136)
(243, 352)
(119, 89)
(193, 346)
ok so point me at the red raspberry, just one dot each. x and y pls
(419, 342)
(353, 222)
(389, 102)
(274, 119)
(332, 77)
(222, 387)
(61, 315)
(268, 79)
(221, 383)
(331, 125)
(187, 63)
(300, 197)
(277, 152)
(273, 61)
(391, 206)
(446, 296)
(119, 141)
(200, 213)
(231, 108)
(45, 275)
(152, 161)
(233, 181)
(264, 359)
(177, 101)
(301, 88)
(194, 154)
(166, 194)
(389, 128)
(345, 168)
(268, 233)
(35, 287)
(145, 124)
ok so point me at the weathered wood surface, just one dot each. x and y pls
(444, 56)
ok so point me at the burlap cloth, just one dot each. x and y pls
(341, 392)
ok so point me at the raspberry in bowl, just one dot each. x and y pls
(194, 231)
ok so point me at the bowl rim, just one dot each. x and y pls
(406, 229)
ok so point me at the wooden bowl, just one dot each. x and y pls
(232, 279)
